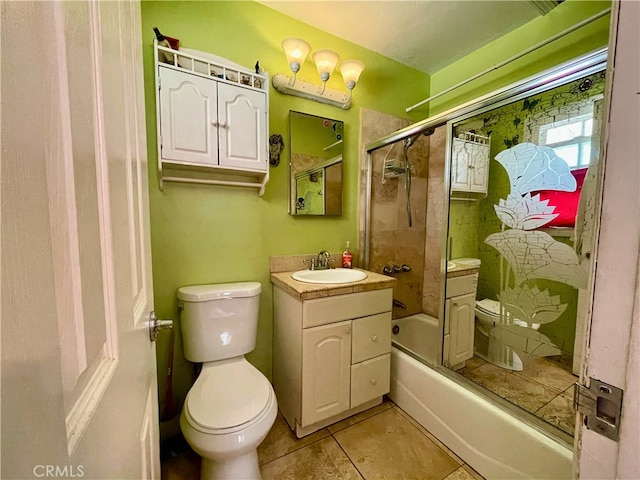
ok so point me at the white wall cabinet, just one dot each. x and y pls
(470, 163)
(331, 356)
(211, 129)
(459, 320)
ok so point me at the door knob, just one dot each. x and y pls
(156, 325)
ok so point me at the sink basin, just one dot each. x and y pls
(333, 275)
(450, 265)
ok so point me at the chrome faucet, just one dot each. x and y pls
(322, 262)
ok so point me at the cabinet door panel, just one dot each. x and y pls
(460, 163)
(461, 319)
(326, 371)
(188, 118)
(242, 114)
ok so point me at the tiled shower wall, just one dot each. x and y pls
(393, 241)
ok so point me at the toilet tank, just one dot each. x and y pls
(219, 321)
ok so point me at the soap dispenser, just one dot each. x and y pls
(347, 257)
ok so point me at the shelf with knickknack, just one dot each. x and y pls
(470, 157)
(212, 119)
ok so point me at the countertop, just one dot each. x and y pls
(307, 291)
(461, 270)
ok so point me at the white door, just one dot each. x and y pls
(243, 132)
(326, 371)
(188, 118)
(613, 354)
(79, 395)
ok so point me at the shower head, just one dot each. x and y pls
(412, 139)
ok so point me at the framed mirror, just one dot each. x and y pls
(315, 165)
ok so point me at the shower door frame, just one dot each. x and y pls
(567, 72)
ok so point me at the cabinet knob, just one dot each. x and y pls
(347, 330)
(222, 125)
(374, 338)
(374, 381)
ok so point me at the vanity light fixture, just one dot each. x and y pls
(297, 50)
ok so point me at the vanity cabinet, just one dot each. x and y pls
(212, 127)
(332, 356)
(459, 320)
(470, 164)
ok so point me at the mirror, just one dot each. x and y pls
(315, 166)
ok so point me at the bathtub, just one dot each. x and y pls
(490, 440)
(418, 333)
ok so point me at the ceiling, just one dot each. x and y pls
(427, 34)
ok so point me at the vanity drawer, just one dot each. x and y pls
(370, 379)
(462, 285)
(321, 311)
(371, 337)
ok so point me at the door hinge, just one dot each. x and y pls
(601, 405)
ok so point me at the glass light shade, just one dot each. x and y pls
(351, 70)
(296, 50)
(326, 61)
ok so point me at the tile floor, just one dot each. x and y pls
(544, 387)
(382, 442)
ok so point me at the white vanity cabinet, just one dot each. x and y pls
(470, 164)
(459, 320)
(212, 119)
(331, 356)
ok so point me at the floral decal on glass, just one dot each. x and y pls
(528, 255)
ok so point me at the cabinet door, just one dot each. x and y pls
(479, 171)
(242, 133)
(188, 118)
(326, 371)
(460, 320)
(460, 163)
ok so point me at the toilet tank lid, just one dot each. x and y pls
(216, 291)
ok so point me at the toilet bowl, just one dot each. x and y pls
(486, 345)
(231, 407)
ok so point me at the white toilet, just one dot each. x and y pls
(487, 346)
(231, 406)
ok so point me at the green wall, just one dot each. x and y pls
(211, 234)
(588, 38)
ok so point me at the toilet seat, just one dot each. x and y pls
(492, 308)
(227, 397)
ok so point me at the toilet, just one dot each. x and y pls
(231, 406)
(487, 346)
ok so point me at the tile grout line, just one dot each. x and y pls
(347, 455)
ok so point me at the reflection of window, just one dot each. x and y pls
(570, 139)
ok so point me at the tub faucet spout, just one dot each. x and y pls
(399, 304)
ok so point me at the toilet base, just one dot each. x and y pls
(243, 466)
(513, 361)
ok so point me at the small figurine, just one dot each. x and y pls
(276, 144)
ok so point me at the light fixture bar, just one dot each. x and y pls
(282, 83)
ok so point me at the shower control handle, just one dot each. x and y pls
(396, 269)
(405, 267)
(386, 270)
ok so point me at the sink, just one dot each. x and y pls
(450, 265)
(333, 275)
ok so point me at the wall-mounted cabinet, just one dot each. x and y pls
(212, 118)
(470, 163)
